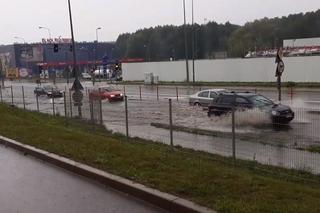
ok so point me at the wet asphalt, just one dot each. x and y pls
(28, 185)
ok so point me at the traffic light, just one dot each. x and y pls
(40, 69)
(55, 48)
(117, 66)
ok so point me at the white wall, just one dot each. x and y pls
(303, 42)
(298, 69)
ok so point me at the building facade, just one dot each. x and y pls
(30, 60)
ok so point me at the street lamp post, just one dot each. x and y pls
(96, 52)
(76, 87)
(186, 40)
(46, 28)
(193, 46)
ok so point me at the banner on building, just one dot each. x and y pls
(12, 73)
(31, 54)
(5, 60)
(25, 73)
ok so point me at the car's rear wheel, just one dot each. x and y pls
(197, 104)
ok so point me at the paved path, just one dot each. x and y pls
(31, 186)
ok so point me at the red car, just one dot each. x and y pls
(107, 93)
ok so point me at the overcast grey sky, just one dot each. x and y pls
(22, 17)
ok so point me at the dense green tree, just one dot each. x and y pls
(164, 42)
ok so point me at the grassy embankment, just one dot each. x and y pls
(209, 180)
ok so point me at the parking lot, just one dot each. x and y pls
(148, 106)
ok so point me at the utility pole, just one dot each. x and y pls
(76, 87)
(193, 46)
(186, 40)
(1, 73)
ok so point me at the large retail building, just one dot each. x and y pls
(54, 57)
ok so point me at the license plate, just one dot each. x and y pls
(289, 116)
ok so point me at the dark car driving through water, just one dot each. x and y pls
(279, 114)
(48, 90)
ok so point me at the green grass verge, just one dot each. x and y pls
(209, 180)
(315, 149)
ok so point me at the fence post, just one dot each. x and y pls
(70, 101)
(37, 99)
(140, 93)
(65, 104)
(53, 107)
(233, 132)
(124, 90)
(177, 93)
(1, 93)
(158, 92)
(126, 114)
(91, 112)
(23, 99)
(100, 108)
(12, 104)
(171, 127)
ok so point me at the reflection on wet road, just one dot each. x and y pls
(31, 186)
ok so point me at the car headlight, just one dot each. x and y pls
(275, 113)
(112, 96)
(121, 94)
(49, 93)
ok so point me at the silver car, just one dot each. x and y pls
(205, 97)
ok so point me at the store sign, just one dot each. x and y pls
(56, 40)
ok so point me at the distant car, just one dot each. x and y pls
(50, 91)
(107, 93)
(86, 76)
(205, 97)
(279, 114)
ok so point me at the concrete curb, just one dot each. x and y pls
(163, 200)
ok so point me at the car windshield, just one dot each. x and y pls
(50, 87)
(108, 89)
(261, 101)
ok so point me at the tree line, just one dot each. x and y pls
(163, 43)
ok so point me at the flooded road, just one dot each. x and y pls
(256, 138)
(31, 186)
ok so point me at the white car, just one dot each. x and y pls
(86, 76)
(205, 97)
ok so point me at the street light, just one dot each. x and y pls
(24, 41)
(95, 52)
(99, 28)
(46, 28)
(193, 46)
(186, 40)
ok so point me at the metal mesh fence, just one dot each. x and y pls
(253, 135)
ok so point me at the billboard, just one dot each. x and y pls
(25, 73)
(5, 60)
(12, 73)
(31, 53)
